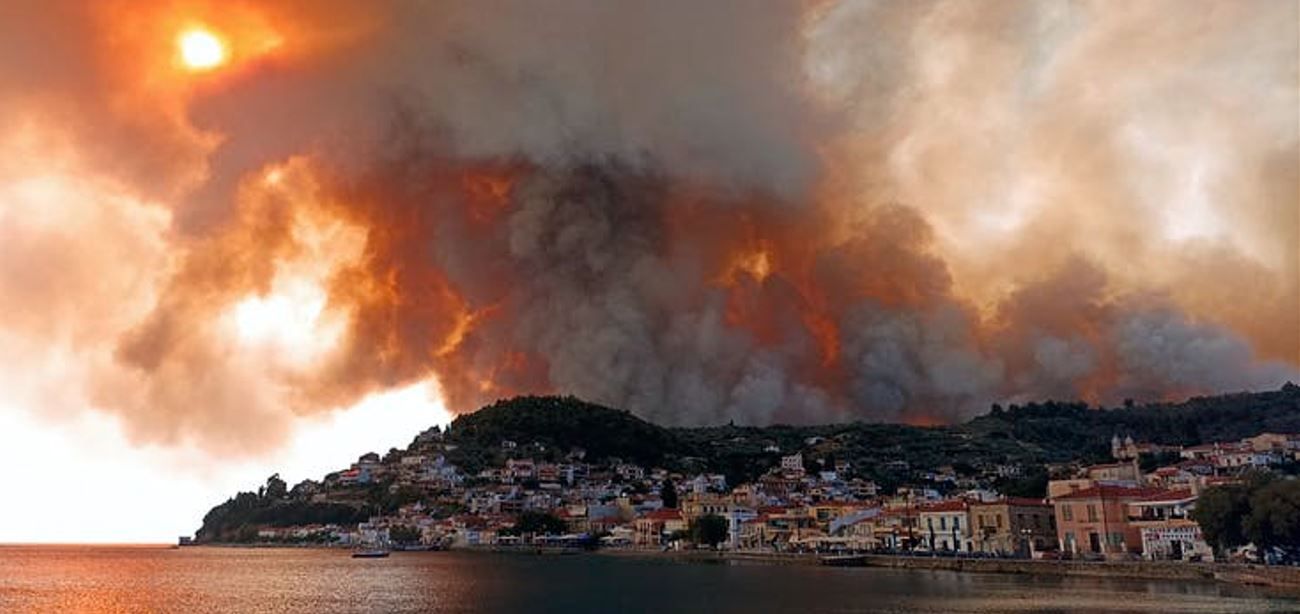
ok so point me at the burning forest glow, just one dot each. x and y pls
(702, 212)
(201, 49)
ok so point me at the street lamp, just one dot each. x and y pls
(1029, 542)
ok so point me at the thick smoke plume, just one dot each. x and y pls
(703, 212)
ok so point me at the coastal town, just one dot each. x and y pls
(1138, 506)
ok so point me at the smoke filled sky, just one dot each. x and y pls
(245, 237)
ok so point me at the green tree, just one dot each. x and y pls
(1274, 518)
(1219, 511)
(538, 523)
(276, 488)
(1223, 511)
(709, 530)
(668, 492)
(405, 535)
(1150, 462)
(1033, 484)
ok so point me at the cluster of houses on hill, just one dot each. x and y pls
(1113, 510)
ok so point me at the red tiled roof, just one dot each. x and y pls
(945, 506)
(663, 515)
(1026, 501)
(898, 511)
(1018, 501)
(1110, 491)
(1169, 495)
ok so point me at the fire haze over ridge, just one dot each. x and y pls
(702, 212)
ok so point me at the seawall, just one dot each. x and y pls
(1149, 570)
(1286, 578)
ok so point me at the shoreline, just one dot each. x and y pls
(1284, 579)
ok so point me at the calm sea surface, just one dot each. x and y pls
(141, 579)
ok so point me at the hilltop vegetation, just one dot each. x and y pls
(1034, 433)
(554, 426)
(238, 518)
(1072, 430)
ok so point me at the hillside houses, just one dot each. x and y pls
(804, 501)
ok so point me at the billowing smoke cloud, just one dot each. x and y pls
(700, 211)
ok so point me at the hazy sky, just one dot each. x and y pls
(238, 238)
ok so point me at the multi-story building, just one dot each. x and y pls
(1173, 476)
(777, 528)
(1013, 526)
(737, 516)
(1095, 520)
(1125, 473)
(1286, 444)
(696, 505)
(857, 527)
(897, 529)
(945, 526)
(519, 469)
(1167, 530)
(792, 465)
(1245, 458)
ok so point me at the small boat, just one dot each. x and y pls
(369, 554)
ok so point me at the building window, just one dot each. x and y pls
(999, 518)
(956, 524)
(1092, 513)
(943, 523)
(1067, 513)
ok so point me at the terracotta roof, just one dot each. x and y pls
(1026, 501)
(1018, 501)
(899, 511)
(663, 515)
(1110, 491)
(945, 506)
(1169, 495)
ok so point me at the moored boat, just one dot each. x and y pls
(844, 560)
(369, 554)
